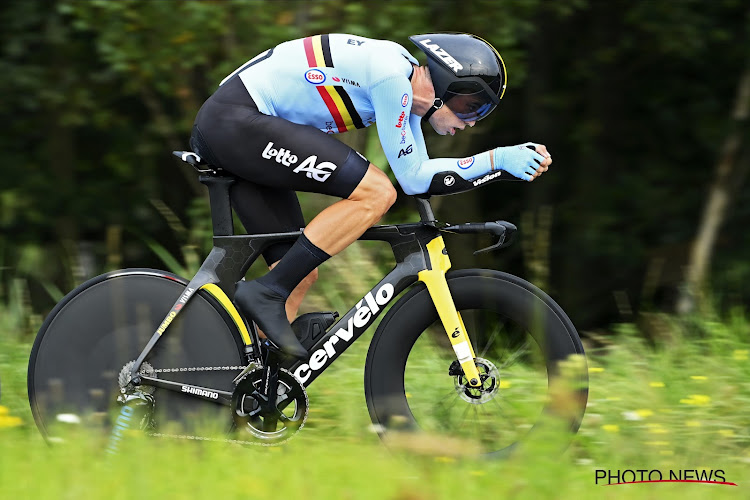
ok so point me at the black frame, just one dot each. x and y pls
(233, 255)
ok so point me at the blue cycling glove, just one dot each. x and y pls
(519, 161)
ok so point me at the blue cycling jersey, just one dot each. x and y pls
(341, 82)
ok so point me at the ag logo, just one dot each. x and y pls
(406, 151)
(315, 76)
(449, 180)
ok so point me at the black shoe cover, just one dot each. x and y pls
(266, 308)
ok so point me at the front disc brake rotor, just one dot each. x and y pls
(489, 377)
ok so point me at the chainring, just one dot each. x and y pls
(291, 402)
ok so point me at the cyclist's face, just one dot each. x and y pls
(445, 121)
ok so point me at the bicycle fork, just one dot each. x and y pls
(437, 286)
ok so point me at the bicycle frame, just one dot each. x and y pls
(420, 255)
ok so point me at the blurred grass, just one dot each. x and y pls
(677, 406)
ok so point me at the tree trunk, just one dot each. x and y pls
(731, 169)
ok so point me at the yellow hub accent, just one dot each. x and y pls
(441, 295)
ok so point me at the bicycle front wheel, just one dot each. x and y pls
(99, 327)
(528, 353)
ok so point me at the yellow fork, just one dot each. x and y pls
(436, 284)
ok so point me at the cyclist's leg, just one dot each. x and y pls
(274, 152)
(264, 209)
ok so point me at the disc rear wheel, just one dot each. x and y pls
(86, 341)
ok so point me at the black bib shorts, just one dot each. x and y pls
(273, 157)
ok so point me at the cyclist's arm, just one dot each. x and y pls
(403, 143)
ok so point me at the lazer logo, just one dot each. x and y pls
(487, 177)
(200, 392)
(319, 172)
(406, 151)
(366, 311)
(442, 54)
(401, 120)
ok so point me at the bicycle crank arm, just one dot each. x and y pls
(437, 286)
(211, 395)
(504, 231)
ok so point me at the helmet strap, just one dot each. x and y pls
(436, 104)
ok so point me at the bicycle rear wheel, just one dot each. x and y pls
(527, 351)
(103, 324)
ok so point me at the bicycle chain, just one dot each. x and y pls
(199, 369)
(203, 438)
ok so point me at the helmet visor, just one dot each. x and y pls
(472, 100)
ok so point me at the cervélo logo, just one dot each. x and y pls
(365, 313)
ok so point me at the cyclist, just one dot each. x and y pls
(268, 124)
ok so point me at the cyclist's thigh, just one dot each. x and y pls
(264, 209)
(272, 151)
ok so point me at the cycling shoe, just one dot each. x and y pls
(266, 308)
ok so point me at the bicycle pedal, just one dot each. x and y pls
(310, 327)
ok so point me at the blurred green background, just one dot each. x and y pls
(637, 100)
(639, 229)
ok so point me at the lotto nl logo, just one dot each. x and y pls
(633, 476)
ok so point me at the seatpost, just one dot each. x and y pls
(221, 208)
(425, 209)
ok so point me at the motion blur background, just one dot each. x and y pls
(644, 106)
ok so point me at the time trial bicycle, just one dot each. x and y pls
(471, 353)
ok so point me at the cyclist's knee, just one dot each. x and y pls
(376, 191)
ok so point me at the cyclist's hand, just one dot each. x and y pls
(526, 161)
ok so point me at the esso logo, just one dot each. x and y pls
(404, 100)
(315, 76)
(465, 163)
(449, 181)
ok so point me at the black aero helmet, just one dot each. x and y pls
(464, 65)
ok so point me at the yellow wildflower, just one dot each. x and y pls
(657, 443)
(595, 369)
(656, 384)
(668, 453)
(693, 423)
(504, 384)
(611, 428)
(727, 432)
(644, 413)
(699, 377)
(445, 460)
(697, 400)
(740, 354)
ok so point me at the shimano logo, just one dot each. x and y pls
(442, 54)
(365, 313)
(320, 172)
(487, 178)
(200, 392)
